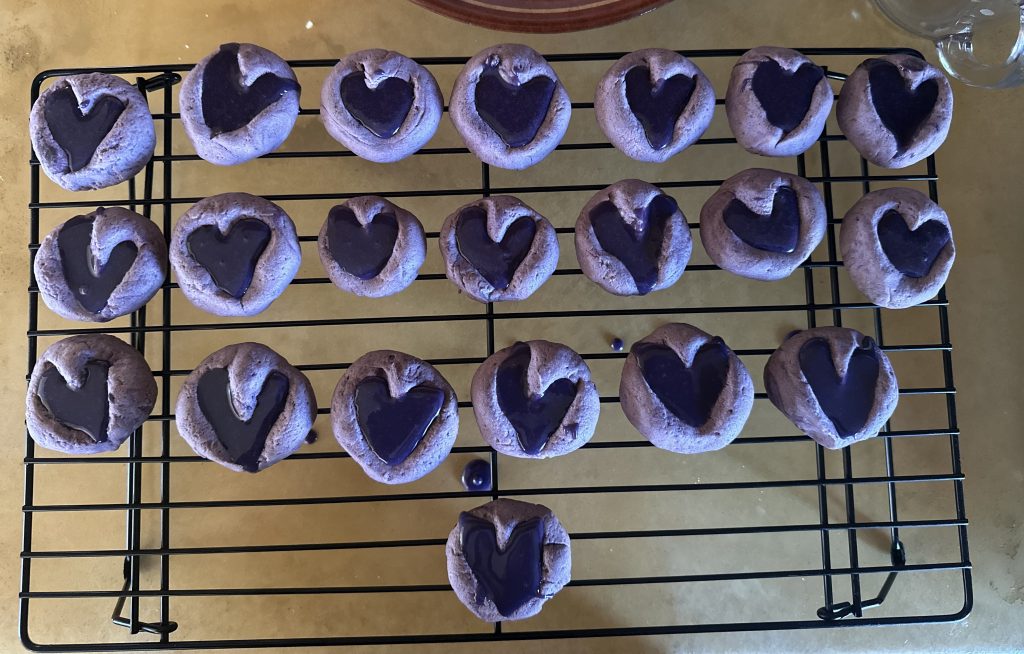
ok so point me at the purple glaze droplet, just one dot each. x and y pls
(476, 476)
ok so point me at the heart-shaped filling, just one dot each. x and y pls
(230, 258)
(534, 417)
(778, 232)
(514, 111)
(497, 262)
(228, 104)
(90, 282)
(509, 577)
(361, 250)
(689, 392)
(86, 409)
(394, 426)
(846, 401)
(659, 106)
(912, 252)
(785, 96)
(79, 133)
(382, 109)
(638, 247)
(901, 109)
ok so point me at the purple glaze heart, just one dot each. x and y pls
(383, 109)
(78, 133)
(846, 401)
(90, 283)
(912, 252)
(496, 262)
(689, 392)
(361, 250)
(394, 426)
(514, 111)
(658, 107)
(901, 110)
(534, 417)
(230, 258)
(86, 409)
(778, 232)
(637, 248)
(510, 577)
(228, 104)
(785, 96)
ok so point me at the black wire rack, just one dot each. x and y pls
(894, 543)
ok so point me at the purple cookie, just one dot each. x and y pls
(381, 105)
(498, 249)
(91, 131)
(652, 104)
(101, 265)
(87, 394)
(778, 101)
(631, 239)
(834, 383)
(509, 106)
(238, 103)
(535, 400)
(896, 110)
(897, 246)
(395, 415)
(685, 390)
(234, 253)
(506, 558)
(371, 247)
(245, 407)
(763, 224)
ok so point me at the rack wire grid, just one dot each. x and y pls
(773, 532)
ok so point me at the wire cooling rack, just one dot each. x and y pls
(773, 532)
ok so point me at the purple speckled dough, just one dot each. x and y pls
(861, 124)
(631, 197)
(122, 153)
(748, 119)
(111, 226)
(402, 372)
(248, 365)
(517, 65)
(131, 392)
(645, 410)
(535, 269)
(870, 269)
(378, 65)
(404, 264)
(274, 271)
(549, 362)
(505, 514)
(756, 189)
(263, 134)
(620, 124)
(789, 391)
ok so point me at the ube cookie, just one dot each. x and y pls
(631, 239)
(245, 407)
(395, 415)
(507, 558)
(653, 104)
(685, 390)
(896, 110)
(897, 246)
(380, 104)
(234, 253)
(834, 383)
(238, 103)
(87, 394)
(763, 224)
(498, 249)
(778, 101)
(509, 106)
(535, 400)
(102, 265)
(91, 131)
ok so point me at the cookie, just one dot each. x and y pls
(631, 239)
(498, 249)
(895, 110)
(238, 103)
(509, 106)
(91, 131)
(87, 394)
(897, 246)
(763, 224)
(381, 105)
(778, 101)
(834, 383)
(245, 407)
(507, 558)
(685, 390)
(535, 400)
(652, 104)
(234, 253)
(395, 415)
